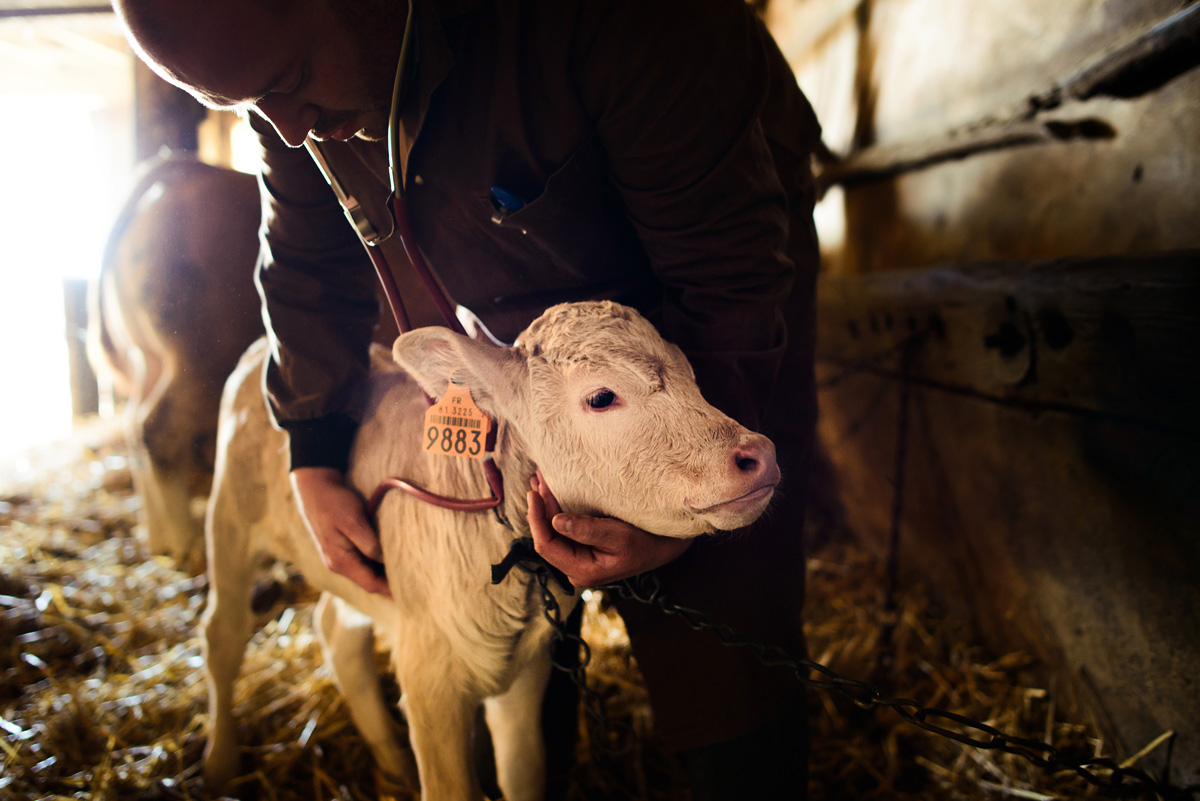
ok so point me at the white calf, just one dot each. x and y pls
(591, 395)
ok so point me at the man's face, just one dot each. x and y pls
(324, 66)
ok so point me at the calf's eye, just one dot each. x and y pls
(602, 399)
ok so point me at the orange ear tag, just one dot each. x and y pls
(455, 426)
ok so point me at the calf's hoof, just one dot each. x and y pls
(395, 788)
(222, 764)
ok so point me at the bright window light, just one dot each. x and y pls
(55, 211)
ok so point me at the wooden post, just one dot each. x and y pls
(85, 396)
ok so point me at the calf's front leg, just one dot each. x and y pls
(440, 707)
(227, 625)
(348, 642)
(515, 720)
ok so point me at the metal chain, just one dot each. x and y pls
(609, 737)
(1122, 782)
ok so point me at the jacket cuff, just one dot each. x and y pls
(321, 442)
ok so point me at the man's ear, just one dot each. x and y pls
(496, 375)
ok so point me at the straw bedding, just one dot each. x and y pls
(102, 695)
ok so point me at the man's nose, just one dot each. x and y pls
(292, 119)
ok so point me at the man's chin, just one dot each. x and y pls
(373, 133)
(375, 124)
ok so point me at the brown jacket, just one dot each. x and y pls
(661, 149)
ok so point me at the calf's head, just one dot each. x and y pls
(611, 414)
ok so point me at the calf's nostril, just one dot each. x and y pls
(747, 464)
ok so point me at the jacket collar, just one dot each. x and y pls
(432, 60)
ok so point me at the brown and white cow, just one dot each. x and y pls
(593, 397)
(173, 311)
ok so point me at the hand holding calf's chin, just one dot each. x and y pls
(594, 550)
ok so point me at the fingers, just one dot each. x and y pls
(584, 565)
(338, 524)
(539, 527)
(355, 527)
(546, 540)
(542, 507)
(343, 556)
(367, 574)
(601, 533)
(593, 550)
(543, 489)
(603, 550)
(595, 531)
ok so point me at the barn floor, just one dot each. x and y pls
(101, 695)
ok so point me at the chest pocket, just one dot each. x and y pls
(574, 240)
(570, 241)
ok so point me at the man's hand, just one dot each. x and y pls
(336, 520)
(594, 550)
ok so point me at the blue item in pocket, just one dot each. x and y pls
(505, 203)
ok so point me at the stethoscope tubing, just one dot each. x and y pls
(397, 203)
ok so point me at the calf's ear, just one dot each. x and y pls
(496, 375)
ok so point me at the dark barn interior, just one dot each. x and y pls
(1004, 524)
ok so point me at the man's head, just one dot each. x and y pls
(325, 66)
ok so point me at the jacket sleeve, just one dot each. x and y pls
(678, 91)
(319, 304)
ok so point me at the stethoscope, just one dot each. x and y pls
(401, 228)
(372, 238)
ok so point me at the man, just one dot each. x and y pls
(656, 153)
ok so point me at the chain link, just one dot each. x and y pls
(1122, 782)
(609, 737)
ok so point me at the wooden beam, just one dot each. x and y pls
(1110, 336)
(1147, 61)
(883, 161)
(1136, 67)
(53, 11)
